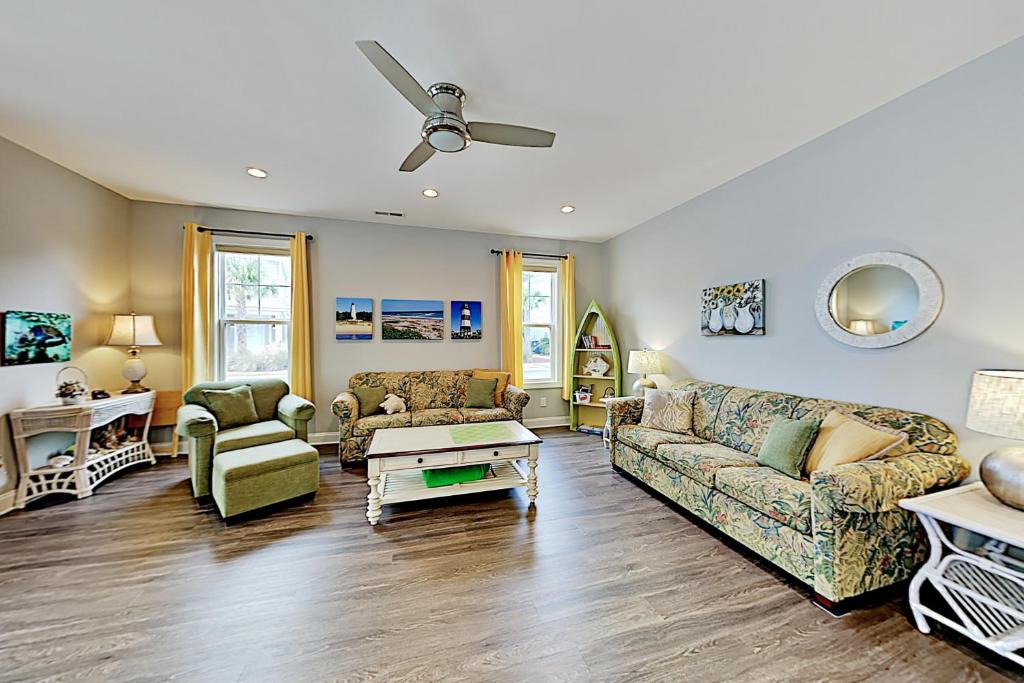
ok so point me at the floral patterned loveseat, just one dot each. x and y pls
(842, 533)
(433, 397)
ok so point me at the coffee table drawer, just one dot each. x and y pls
(477, 455)
(411, 462)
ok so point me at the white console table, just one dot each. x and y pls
(89, 468)
(984, 589)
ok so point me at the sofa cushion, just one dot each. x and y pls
(256, 434)
(499, 389)
(647, 439)
(485, 414)
(746, 415)
(232, 407)
(265, 394)
(700, 461)
(437, 389)
(782, 498)
(706, 403)
(480, 392)
(369, 399)
(843, 439)
(365, 426)
(436, 416)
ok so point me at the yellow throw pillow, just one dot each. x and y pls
(845, 438)
(499, 389)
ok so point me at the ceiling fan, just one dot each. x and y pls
(444, 129)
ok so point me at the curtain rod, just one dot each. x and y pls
(534, 255)
(249, 233)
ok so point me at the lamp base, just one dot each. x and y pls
(134, 371)
(643, 384)
(1002, 470)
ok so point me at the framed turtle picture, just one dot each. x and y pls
(733, 309)
(31, 337)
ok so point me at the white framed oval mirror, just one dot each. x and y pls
(878, 300)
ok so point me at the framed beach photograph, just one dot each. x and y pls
(353, 319)
(466, 320)
(412, 319)
(31, 337)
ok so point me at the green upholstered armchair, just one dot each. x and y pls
(282, 416)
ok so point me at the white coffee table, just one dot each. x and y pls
(396, 457)
(984, 589)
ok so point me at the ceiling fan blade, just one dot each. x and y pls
(417, 157)
(504, 134)
(396, 74)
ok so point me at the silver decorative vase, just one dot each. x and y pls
(1002, 470)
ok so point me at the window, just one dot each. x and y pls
(253, 304)
(541, 345)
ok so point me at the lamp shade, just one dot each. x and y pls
(133, 330)
(997, 403)
(644, 362)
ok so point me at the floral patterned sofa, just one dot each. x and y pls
(842, 533)
(433, 397)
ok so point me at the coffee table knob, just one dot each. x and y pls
(495, 453)
(419, 461)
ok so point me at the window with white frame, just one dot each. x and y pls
(253, 309)
(541, 345)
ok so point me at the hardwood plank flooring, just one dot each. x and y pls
(601, 582)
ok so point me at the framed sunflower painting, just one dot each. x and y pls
(733, 309)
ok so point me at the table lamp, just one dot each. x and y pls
(997, 407)
(643, 362)
(133, 331)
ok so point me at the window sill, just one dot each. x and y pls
(547, 384)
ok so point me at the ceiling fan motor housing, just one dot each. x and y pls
(446, 131)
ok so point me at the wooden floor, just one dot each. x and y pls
(601, 582)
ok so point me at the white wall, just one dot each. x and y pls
(936, 173)
(63, 249)
(350, 258)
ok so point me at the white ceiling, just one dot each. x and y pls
(653, 102)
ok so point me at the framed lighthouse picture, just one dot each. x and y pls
(353, 319)
(466, 319)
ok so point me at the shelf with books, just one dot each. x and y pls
(595, 339)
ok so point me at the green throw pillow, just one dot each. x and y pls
(787, 444)
(370, 399)
(232, 407)
(480, 393)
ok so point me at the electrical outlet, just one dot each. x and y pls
(543, 401)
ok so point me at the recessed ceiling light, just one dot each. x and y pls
(256, 172)
(430, 192)
(568, 208)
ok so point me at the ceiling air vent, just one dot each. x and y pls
(393, 214)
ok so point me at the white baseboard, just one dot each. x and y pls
(323, 438)
(7, 501)
(555, 421)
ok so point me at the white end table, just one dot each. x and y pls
(985, 589)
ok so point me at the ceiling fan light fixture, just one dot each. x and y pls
(430, 193)
(256, 172)
(567, 208)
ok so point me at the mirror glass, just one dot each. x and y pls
(874, 300)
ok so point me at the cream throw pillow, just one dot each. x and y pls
(845, 438)
(670, 411)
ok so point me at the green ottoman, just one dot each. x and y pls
(251, 478)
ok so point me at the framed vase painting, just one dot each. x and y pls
(412, 319)
(31, 337)
(733, 309)
(353, 319)
(466, 320)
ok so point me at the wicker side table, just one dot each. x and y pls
(88, 469)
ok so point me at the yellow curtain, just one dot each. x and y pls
(196, 307)
(301, 365)
(567, 286)
(512, 315)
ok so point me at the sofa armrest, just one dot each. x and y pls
(195, 421)
(346, 406)
(625, 410)
(877, 486)
(862, 539)
(515, 400)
